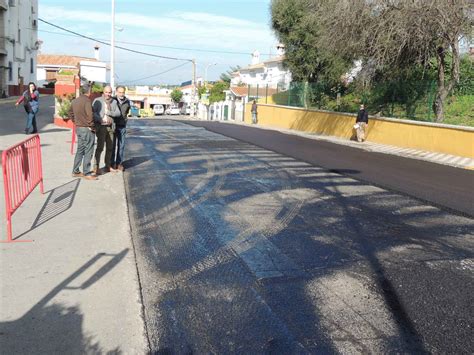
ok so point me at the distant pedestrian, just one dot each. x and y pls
(30, 100)
(104, 109)
(81, 115)
(118, 146)
(254, 112)
(362, 121)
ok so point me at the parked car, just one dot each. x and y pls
(186, 110)
(158, 110)
(172, 110)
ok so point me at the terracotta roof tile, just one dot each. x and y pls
(54, 59)
(244, 91)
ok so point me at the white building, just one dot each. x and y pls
(18, 44)
(92, 69)
(270, 72)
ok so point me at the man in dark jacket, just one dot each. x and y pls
(81, 115)
(362, 121)
(120, 129)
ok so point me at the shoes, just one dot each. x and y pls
(113, 170)
(79, 175)
(105, 170)
(91, 177)
(120, 167)
(96, 171)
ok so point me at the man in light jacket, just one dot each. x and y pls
(120, 129)
(105, 110)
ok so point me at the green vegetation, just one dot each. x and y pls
(227, 76)
(217, 93)
(411, 64)
(176, 95)
(97, 88)
(65, 72)
(64, 103)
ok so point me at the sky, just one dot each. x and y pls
(206, 30)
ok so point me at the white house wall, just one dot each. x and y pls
(18, 47)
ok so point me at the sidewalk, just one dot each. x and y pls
(74, 288)
(433, 157)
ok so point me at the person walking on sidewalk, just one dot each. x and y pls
(118, 146)
(105, 110)
(81, 115)
(254, 112)
(362, 121)
(30, 100)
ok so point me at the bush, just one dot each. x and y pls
(64, 105)
(65, 72)
(50, 85)
(97, 88)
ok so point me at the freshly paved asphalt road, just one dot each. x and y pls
(241, 249)
(441, 185)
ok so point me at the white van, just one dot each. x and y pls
(158, 110)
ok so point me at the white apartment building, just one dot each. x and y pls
(270, 72)
(18, 44)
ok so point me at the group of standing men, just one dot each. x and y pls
(106, 119)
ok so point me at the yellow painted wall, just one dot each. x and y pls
(408, 134)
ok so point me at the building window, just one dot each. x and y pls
(10, 71)
(19, 36)
(11, 2)
(32, 69)
(34, 24)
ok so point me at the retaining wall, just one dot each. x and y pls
(455, 140)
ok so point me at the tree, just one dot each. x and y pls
(176, 95)
(217, 91)
(300, 31)
(395, 34)
(227, 76)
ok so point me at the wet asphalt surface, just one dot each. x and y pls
(241, 249)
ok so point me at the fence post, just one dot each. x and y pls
(430, 99)
(73, 138)
(289, 95)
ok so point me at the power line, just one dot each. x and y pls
(152, 76)
(108, 44)
(160, 46)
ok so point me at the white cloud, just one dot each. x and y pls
(183, 28)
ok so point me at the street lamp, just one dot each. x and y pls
(205, 74)
(112, 50)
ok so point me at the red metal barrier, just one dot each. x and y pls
(22, 172)
(73, 138)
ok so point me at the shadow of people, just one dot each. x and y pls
(53, 328)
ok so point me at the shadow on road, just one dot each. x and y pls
(258, 252)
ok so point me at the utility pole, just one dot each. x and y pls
(194, 88)
(112, 50)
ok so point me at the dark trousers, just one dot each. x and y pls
(119, 145)
(31, 122)
(85, 148)
(105, 135)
